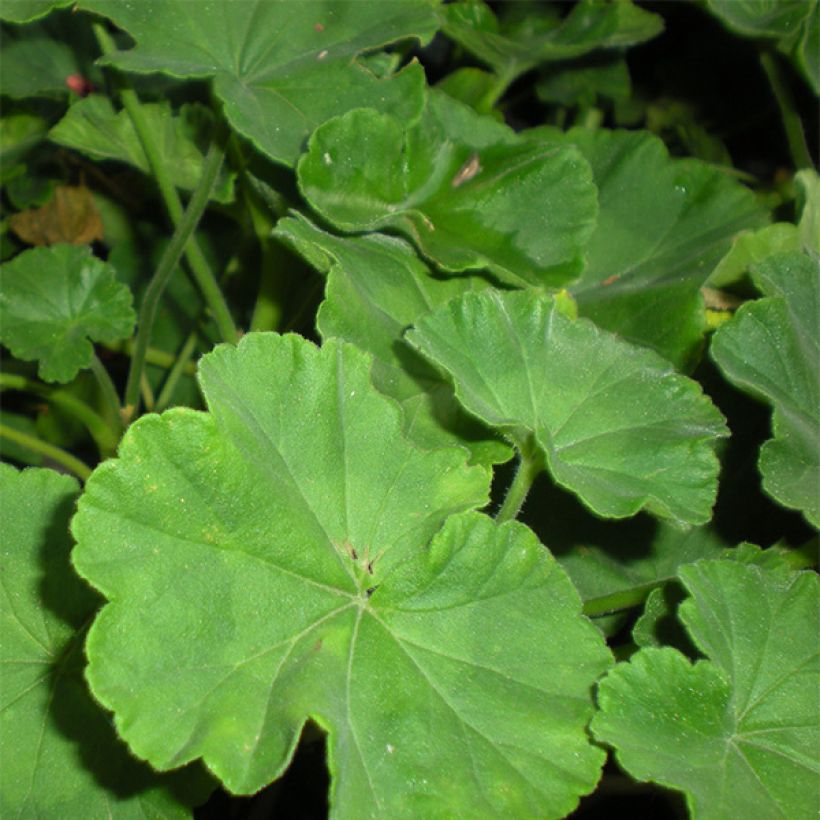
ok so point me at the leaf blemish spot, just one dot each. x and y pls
(327, 159)
(467, 171)
(322, 54)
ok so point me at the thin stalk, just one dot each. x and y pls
(788, 111)
(56, 454)
(104, 436)
(153, 355)
(109, 392)
(200, 269)
(618, 601)
(167, 264)
(176, 372)
(529, 465)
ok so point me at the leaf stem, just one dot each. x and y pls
(109, 392)
(618, 601)
(56, 454)
(167, 264)
(155, 356)
(104, 436)
(177, 371)
(196, 259)
(788, 111)
(530, 463)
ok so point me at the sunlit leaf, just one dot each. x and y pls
(615, 423)
(290, 555)
(737, 733)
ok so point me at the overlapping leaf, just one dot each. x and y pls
(290, 554)
(663, 225)
(60, 755)
(616, 424)
(738, 732)
(280, 68)
(53, 300)
(376, 288)
(466, 189)
(92, 127)
(513, 47)
(772, 349)
(24, 11)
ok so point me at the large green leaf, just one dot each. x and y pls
(771, 349)
(761, 18)
(663, 225)
(24, 11)
(521, 42)
(466, 189)
(92, 127)
(61, 757)
(279, 67)
(53, 300)
(290, 555)
(376, 288)
(738, 732)
(616, 424)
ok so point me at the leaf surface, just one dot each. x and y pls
(280, 68)
(663, 225)
(511, 49)
(466, 189)
(617, 426)
(376, 288)
(61, 757)
(92, 127)
(290, 555)
(738, 732)
(771, 349)
(53, 301)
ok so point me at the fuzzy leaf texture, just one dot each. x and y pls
(290, 555)
(54, 301)
(61, 757)
(280, 68)
(771, 349)
(737, 733)
(616, 424)
(464, 188)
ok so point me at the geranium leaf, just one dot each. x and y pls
(92, 127)
(738, 732)
(24, 11)
(771, 350)
(511, 49)
(280, 68)
(61, 757)
(376, 288)
(70, 215)
(663, 225)
(466, 189)
(291, 555)
(54, 300)
(616, 425)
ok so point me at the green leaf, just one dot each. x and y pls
(662, 227)
(771, 350)
(280, 68)
(807, 52)
(24, 11)
(19, 133)
(584, 82)
(511, 49)
(473, 87)
(283, 557)
(761, 18)
(92, 127)
(466, 189)
(808, 197)
(737, 733)
(376, 288)
(750, 247)
(616, 424)
(13, 450)
(61, 757)
(53, 301)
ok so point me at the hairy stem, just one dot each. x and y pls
(177, 371)
(788, 111)
(56, 454)
(203, 275)
(167, 264)
(109, 391)
(530, 463)
(618, 601)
